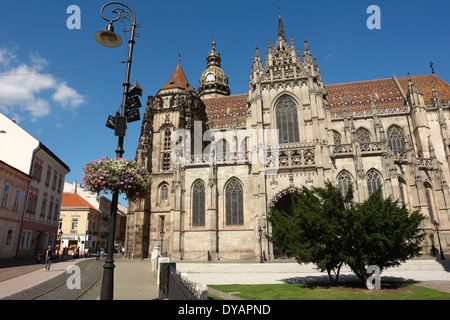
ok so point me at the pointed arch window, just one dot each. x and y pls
(373, 181)
(344, 179)
(396, 138)
(337, 138)
(287, 120)
(234, 204)
(164, 193)
(198, 203)
(363, 137)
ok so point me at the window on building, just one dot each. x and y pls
(287, 120)
(222, 149)
(31, 204)
(5, 195)
(37, 170)
(234, 205)
(337, 139)
(43, 207)
(17, 199)
(373, 181)
(164, 193)
(9, 237)
(198, 203)
(166, 151)
(74, 225)
(396, 139)
(344, 179)
(47, 177)
(363, 135)
(25, 242)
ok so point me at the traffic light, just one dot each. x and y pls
(118, 122)
(133, 102)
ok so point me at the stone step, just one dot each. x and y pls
(294, 267)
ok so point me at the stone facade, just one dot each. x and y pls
(221, 163)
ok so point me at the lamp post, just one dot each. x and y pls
(110, 39)
(436, 224)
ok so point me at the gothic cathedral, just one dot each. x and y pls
(220, 162)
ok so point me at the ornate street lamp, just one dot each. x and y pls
(436, 225)
(111, 40)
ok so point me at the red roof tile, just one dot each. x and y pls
(384, 92)
(75, 200)
(178, 80)
(224, 109)
(352, 95)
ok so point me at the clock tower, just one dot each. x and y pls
(213, 82)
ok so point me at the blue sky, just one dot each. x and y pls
(66, 108)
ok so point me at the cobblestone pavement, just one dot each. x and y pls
(63, 286)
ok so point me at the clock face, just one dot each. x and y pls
(210, 77)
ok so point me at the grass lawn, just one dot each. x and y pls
(346, 291)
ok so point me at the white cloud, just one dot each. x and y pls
(24, 90)
(67, 97)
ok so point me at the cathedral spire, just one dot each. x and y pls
(280, 27)
(307, 56)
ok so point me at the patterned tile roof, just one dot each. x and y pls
(384, 92)
(352, 95)
(224, 110)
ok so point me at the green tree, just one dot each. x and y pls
(383, 233)
(315, 229)
(324, 228)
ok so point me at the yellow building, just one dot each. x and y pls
(81, 225)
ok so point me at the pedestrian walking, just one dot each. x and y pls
(48, 258)
(97, 256)
(101, 253)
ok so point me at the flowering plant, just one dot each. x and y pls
(117, 175)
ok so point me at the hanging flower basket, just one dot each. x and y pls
(117, 175)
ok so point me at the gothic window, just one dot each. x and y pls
(430, 203)
(396, 138)
(164, 193)
(344, 179)
(373, 181)
(198, 203)
(287, 120)
(166, 150)
(363, 135)
(222, 148)
(234, 205)
(337, 139)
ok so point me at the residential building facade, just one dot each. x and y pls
(221, 163)
(40, 215)
(85, 217)
(13, 188)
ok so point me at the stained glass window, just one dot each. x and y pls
(234, 205)
(287, 120)
(396, 138)
(373, 181)
(198, 203)
(344, 179)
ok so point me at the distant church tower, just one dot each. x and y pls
(213, 82)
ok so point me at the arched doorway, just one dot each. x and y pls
(283, 201)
